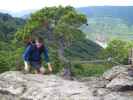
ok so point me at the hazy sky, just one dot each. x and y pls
(18, 5)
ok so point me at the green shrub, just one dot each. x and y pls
(117, 50)
(85, 70)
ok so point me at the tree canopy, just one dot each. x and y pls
(58, 21)
(60, 26)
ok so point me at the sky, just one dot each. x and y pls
(21, 5)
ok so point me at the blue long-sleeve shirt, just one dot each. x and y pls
(32, 53)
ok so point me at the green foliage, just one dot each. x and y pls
(10, 54)
(55, 20)
(118, 51)
(86, 70)
(83, 50)
(57, 64)
(58, 25)
(8, 26)
(10, 57)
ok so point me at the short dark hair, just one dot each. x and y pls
(39, 39)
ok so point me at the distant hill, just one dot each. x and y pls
(122, 12)
(23, 14)
(83, 50)
(108, 27)
(9, 25)
(20, 14)
(108, 22)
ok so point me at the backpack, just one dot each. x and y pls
(41, 49)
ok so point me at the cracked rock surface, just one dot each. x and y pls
(18, 86)
(115, 84)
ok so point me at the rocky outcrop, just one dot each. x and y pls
(122, 82)
(19, 86)
(120, 78)
(115, 84)
(115, 71)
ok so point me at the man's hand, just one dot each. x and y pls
(50, 67)
(27, 66)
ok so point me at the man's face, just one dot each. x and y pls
(38, 44)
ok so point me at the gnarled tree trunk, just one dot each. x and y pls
(67, 73)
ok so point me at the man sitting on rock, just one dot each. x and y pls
(32, 56)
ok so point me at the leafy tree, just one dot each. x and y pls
(60, 27)
(10, 56)
(117, 50)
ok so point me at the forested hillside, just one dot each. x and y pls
(9, 51)
(9, 25)
(108, 22)
(108, 28)
(83, 50)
